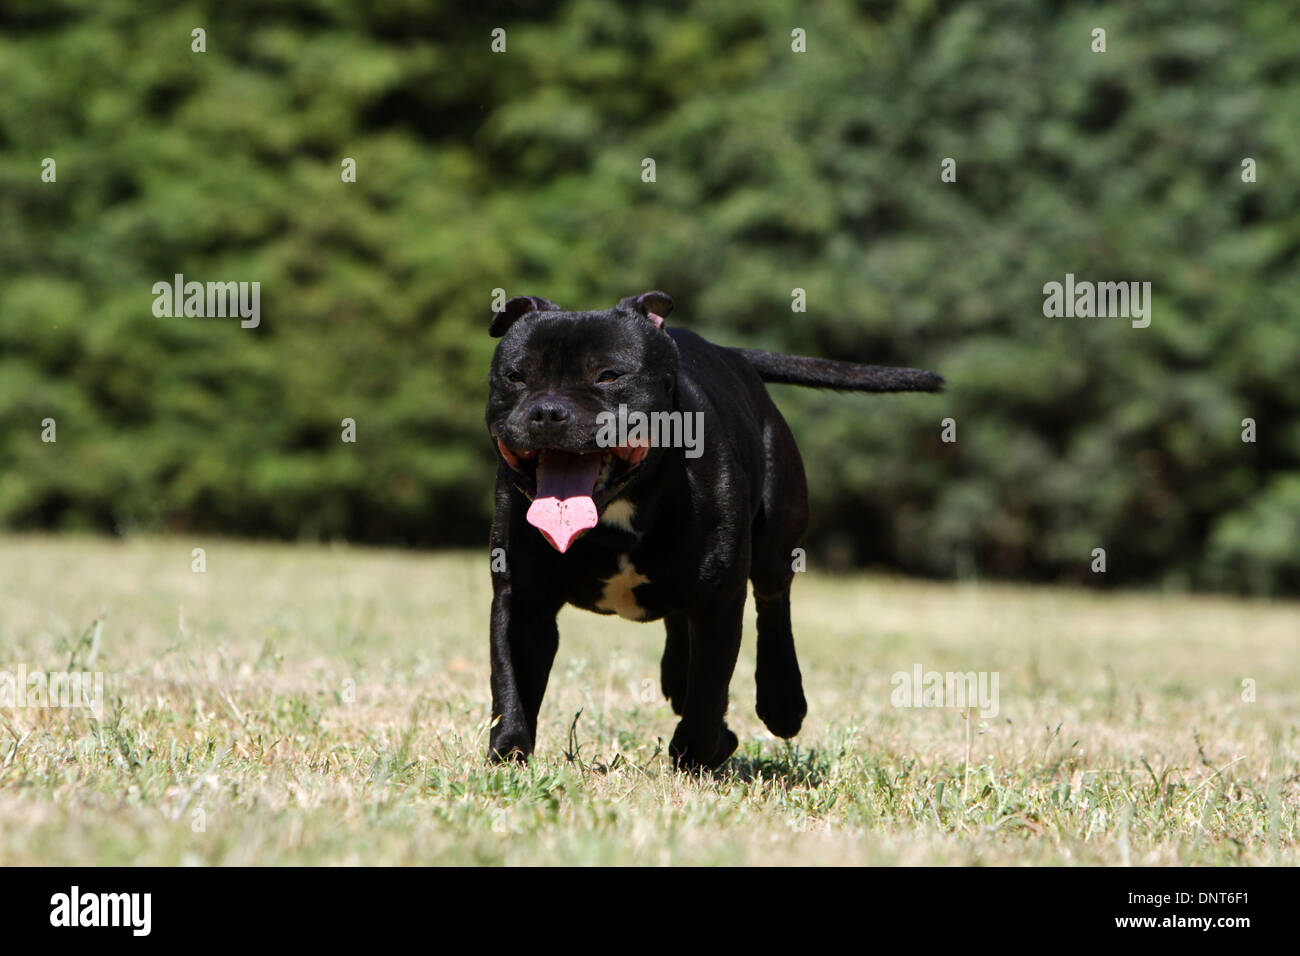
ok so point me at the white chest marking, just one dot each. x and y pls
(620, 514)
(617, 595)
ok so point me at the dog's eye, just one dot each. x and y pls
(515, 377)
(609, 375)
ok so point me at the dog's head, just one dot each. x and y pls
(559, 382)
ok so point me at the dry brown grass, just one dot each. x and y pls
(1122, 734)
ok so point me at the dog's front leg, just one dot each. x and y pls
(702, 738)
(524, 640)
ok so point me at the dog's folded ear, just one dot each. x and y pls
(655, 306)
(519, 306)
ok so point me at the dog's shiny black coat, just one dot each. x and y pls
(680, 539)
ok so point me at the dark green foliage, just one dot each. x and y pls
(775, 170)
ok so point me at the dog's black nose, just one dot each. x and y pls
(547, 413)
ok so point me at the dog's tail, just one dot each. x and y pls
(783, 369)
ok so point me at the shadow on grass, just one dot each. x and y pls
(789, 766)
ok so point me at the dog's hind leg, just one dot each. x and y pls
(673, 668)
(778, 530)
(780, 700)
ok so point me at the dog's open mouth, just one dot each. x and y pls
(564, 485)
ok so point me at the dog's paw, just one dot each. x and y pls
(515, 756)
(510, 747)
(689, 758)
(782, 711)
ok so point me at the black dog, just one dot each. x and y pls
(628, 521)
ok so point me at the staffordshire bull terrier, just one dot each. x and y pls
(646, 472)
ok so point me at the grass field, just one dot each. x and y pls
(318, 705)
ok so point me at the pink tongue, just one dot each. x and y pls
(563, 508)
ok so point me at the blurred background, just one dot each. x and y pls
(775, 170)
